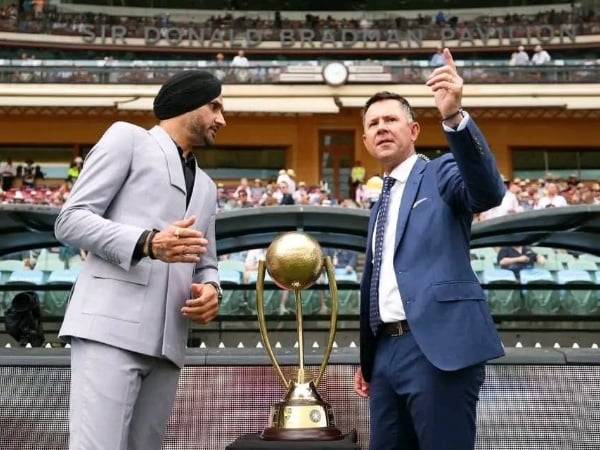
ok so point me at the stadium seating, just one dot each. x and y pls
(552, 265)
(578, 301)
(348, 298)
(272, 297)
(544, 301)
(231, 264)
(75, 262)
(55, 302)
(480, 265)
(48, 262)
(564, 258)
(546, 252)
(487, 254)
(233, 299)
(583, 264)
(503, 301)
(311, 301)
(8, 266)
(588, 257)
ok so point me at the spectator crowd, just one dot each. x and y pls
(25, 183)
(38, 17)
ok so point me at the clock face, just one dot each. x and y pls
(335, 73)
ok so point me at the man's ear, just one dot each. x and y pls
(415, 129)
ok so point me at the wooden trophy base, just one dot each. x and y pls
(301, 434)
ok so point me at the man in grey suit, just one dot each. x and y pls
(145, 212)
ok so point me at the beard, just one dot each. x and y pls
(202, 134)
(208, 137)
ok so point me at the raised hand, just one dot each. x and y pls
(447, 86)
(179, 242)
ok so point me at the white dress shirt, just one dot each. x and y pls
(391, 308)
(390, 302)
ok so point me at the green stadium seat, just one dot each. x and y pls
(579, 302)
(503, 301)
(348, 299)
(48, 262)
(55, 302)
(232, 264)
(233, 299)
(552, 265)
(75, 262)
(546, 252)
(589, 257)
(8, 266)
(272, 297)
(546, 301)
(564, 258)
(311, 301)
(583, 264)
(480, 265)
(485, 253)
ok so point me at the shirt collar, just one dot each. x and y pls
(190, 157)
(402, 170)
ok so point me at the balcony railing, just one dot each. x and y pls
(156, 72)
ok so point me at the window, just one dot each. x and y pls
(562, 163)
(54, 161)
(227, 163)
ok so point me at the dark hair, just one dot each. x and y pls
(386, 95)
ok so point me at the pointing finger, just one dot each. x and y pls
(449, 59)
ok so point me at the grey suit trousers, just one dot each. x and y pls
(120, 400)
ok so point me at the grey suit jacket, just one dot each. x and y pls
(132, 180)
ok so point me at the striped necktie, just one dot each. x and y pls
(374, 316)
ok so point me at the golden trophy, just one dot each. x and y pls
(295, 261)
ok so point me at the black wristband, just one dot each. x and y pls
(138, 251)
(459, 111)
(151, 254)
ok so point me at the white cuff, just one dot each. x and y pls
(461, 126)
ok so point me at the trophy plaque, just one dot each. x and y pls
(295, 261)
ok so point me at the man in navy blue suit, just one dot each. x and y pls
(426, 329)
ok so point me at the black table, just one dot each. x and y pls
(253, 442)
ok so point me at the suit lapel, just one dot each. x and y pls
(371, 228)
(408, 198)
(172, 157)
(366, 279)
(198, 195)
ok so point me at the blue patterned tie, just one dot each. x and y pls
(374, 316)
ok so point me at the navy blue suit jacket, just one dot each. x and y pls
(444, 303)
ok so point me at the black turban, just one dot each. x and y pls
(184, 92)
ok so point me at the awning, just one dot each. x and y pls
(63, 101)
(588, 102)
(299, 105)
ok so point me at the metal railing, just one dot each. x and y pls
(147, 73)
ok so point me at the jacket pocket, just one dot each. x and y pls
(451, 291)
(138, 273)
